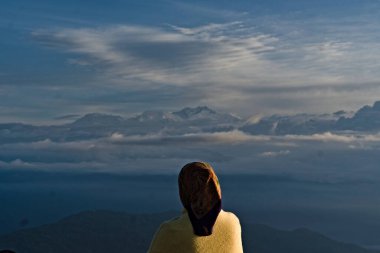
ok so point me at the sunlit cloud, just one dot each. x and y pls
(316, 157)
(175, 55)
(227, 65)
(274, 153)
(232, 137)
(331, 137)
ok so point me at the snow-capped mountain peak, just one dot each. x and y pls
(154, 116)
(194, 112)
(97, 119)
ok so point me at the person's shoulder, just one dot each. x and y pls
(229, 215)
(165, 236)
(170, 222)
(166, 227)
(175, 223)
(228, 224)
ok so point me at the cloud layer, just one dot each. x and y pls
(227, 65)
(173, 54)
(320, 157)
(250, 57)
(325, 147)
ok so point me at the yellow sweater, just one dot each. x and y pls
(176, 236)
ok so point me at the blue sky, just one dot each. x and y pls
(251, 58)
(247, 57)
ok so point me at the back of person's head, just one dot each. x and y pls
(200, 195)
(7, 251)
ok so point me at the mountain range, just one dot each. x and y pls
(194, 120)
(115, 232)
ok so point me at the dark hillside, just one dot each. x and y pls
(114, 232)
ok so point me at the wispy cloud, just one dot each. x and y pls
(227, 65)
(274, 153)
(331, 137)
(328, 51)
(232, 137)
(251, 57)
(173, 54)
(320, 156)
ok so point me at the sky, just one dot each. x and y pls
(247, 57)
(62, 59)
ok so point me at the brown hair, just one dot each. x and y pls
(199, 188)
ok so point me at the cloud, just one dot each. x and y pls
(232, 137)
(321, 157)
(331, 137)
(50, 145)
(233, 65)
(328, 51)
(173, 54)
(19, 163)
(274, 153)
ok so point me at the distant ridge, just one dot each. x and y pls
(97, 119)
(189, 112)
(194, 120)
(366, 118)
(115, 232)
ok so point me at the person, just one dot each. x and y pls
(203, 226)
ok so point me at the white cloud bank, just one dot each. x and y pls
(231, 137)
(321, 157)
(332, 137)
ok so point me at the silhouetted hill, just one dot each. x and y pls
(269, 240)
(115, 232)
